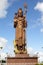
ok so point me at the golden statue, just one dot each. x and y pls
(20, 40)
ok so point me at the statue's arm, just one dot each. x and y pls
(25, 22)
(15, 22)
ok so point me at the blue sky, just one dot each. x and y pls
(34, 32)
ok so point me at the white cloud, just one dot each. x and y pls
(3, 42)
(38, 21)
(39, 6)
(32, 53)
(11, 48)
(41, 19)
(3, 8)
(41, 30)
(2, 56)
(40, 56)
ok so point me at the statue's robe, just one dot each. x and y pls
(20, 25)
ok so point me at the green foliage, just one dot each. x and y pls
(37, 64)
(40, 64)
(3, 61)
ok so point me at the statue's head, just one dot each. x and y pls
(20, 12)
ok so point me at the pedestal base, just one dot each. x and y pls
(22, 60)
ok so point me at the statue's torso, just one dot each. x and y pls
(20, 21)
(19, 28)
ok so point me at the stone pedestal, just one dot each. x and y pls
(22, 59)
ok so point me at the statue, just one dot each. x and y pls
(20, 40)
